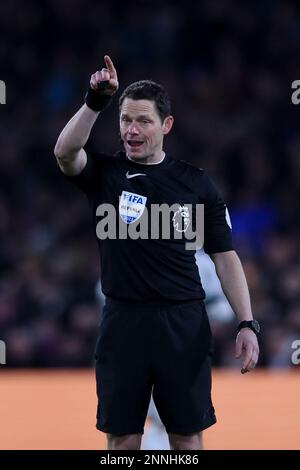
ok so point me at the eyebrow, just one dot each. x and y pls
(143, 116)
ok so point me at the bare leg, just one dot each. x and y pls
(127, 442)
(190, 442)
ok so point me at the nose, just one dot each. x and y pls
(133, 129)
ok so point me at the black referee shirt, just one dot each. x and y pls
(150, 270)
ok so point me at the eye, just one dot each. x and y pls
(125, 119)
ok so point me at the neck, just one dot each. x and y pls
(149, 160)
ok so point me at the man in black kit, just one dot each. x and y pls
(154, 336)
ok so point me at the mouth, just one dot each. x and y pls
(135, 143)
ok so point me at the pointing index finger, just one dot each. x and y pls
(110, 66)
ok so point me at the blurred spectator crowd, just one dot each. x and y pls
(228, 67)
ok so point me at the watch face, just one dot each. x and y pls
(255, 326)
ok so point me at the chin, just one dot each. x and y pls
(135, 155)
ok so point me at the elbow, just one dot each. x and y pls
(62, 154)
(223, 260)
(58, 151)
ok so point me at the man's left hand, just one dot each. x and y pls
(247, 348)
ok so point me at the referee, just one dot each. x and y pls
(154, 336)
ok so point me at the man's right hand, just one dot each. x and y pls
(108, 74)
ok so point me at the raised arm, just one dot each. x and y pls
(69, 152)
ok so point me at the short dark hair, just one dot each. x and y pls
(149, 90)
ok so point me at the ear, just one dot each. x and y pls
(167, 124)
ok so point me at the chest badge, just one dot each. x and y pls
(131, 206)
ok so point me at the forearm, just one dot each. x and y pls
(75, 134)
(233, 281)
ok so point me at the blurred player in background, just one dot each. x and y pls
(154, 336)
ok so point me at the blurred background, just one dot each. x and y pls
(228, 67)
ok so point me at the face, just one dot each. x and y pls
(141, 129)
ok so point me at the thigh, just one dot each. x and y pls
(182, 384)
(122, 373)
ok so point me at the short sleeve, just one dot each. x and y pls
(87, 178)
(217, 225)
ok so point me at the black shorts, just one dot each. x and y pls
(159, 349)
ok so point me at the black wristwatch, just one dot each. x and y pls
(252, 324)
